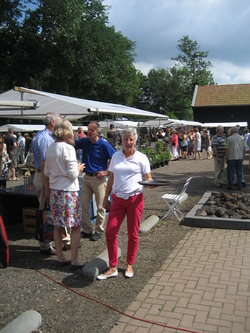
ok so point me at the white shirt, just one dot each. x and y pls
(61, 167)
(21, 141)
(128, 172)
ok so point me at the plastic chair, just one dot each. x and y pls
(173, 200)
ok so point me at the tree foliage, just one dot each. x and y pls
(170, 91)
(65, 46)
(194, 62)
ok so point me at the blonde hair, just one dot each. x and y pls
(63, 129)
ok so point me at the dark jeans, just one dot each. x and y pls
(231, 166)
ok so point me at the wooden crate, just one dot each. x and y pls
(29, 220)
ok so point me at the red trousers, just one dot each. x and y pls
(133, 208)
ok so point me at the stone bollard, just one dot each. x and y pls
(149, 223)
(27, 322)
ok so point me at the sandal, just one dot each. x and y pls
(62, 263)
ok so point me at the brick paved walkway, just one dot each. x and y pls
(203, 286)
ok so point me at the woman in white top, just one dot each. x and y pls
(197, 144)
(128, 166)
(62, 191)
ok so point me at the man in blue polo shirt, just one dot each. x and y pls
(96, 154)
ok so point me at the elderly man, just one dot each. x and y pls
(42, 140)
(96, 154)
(219, 152)
(235, 150)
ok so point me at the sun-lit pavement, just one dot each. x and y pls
(203, 286)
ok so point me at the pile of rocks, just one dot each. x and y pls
(226, 205)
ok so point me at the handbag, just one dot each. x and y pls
(44, 230)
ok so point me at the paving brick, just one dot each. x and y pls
(238, 327)
(203, 286)
(187, 320)
(156, 329)
(218, 322)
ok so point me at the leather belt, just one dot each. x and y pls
(92, 174)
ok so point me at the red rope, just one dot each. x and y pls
(114, 309)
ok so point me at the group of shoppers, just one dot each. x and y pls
(56, 180)
(16, 148)
(183, 144)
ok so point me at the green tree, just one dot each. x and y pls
(10, 14)
(170, 91)
(66, 47)
(192, 62)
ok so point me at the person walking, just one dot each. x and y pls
(41, 142)
(219, 153)
(96, 154)
(207, 143)
(184, 145)
(197, 148)
(112, 136)
(62, 192)
(174, 145)
(21, 147)
(4, 165)
(128, 166)
(12, 151)
(235, 150)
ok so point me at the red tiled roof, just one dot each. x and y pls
(230, 94)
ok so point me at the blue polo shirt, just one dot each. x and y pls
(95, 155)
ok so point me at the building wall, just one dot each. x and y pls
(222, 113)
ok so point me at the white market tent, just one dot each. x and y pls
(119, 123)
(29, 128)
(69, 107)
(228, 124)
(170, 122)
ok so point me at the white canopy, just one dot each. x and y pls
(170, 122)
(30, 128)
(70, 107)
(119, 123)
(228, 124)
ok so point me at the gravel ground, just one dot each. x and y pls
(70, 303)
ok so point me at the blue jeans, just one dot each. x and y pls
(231, 166)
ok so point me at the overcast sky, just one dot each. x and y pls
(221, 27)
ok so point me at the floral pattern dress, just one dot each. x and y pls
(5, 159)
(65, 208)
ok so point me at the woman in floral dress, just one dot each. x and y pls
(62, 191)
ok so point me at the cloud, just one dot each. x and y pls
(220, 27)
(225, 72)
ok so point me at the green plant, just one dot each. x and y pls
(159, 146)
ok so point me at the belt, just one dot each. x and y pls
(37, 170)
(91, 174)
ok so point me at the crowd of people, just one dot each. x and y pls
(112, 175)
(227, 149)
(16, 148)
